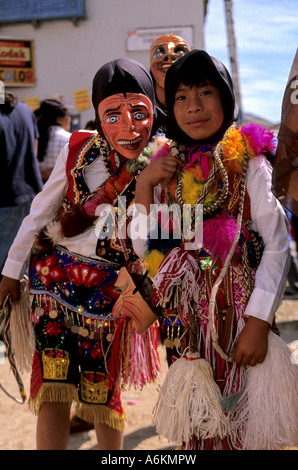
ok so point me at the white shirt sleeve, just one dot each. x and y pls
(270, 221)
(44, 209)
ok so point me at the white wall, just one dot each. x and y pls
(68, 56)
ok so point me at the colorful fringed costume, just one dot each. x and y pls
(82, 354)
(210, 284)
(75, 241)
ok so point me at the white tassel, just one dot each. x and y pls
(53, 232)
(21, 329)
(267, 414)
(189, 403)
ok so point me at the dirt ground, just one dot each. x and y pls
(17, 424)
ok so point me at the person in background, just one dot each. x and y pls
(90, 125)
(164, 51)
(20, 178)
(53, 121)
(284, 175)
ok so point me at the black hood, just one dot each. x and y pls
(207, 67)
(123, 76)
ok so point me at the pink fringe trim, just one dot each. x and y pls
(219, 233)
(260, 139)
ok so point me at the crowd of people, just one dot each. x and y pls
(162, 200)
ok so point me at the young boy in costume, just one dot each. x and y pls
(82, 354)
(220, 289)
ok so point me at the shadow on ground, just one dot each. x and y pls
(131, 440)
(288, 331)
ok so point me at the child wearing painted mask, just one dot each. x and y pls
(82, 354)
(220, 276)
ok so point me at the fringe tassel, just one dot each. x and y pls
(22, 331)
(136, 356)
(267, 414)
(176, 281)
(53, 392)
(100, 414)
(189, 402)
(140, 362)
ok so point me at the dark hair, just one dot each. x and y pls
(10, 102)
(47, 114)
(194, 68)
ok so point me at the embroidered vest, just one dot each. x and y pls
(84, 148)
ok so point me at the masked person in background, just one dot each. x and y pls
(82, 354)
(164, 51)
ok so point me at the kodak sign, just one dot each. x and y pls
(17, 66)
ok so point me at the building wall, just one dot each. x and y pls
(68, 56)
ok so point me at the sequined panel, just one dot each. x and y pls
(55, 364)
(94, 388)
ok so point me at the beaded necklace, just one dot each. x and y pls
(178, 151)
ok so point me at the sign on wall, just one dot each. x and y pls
(141, 39)
(17, 66)
(81, 99)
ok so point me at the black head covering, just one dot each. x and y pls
(123, 76)
(193, 68)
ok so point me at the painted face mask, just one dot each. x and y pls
(126, 121)
(163, 52)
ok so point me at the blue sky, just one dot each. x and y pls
(267, 40)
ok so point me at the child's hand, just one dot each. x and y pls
(158, 170)
(251, 347)
(9, 286)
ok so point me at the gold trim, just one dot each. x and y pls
(101, 414)
(96, 393)
(55, 368)
(53, 393)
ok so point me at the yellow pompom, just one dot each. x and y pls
(153, 261)
(233, 147)
(190, 188)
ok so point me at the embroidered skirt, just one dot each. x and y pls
(83, 355)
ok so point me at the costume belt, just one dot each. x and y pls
(81, 284)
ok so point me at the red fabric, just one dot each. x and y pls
(36, 376)
(76, 142)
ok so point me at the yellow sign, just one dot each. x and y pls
(81, 99)
(17, 66)
(32, 103)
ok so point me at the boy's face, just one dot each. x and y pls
(126, 122)
(198, 110)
